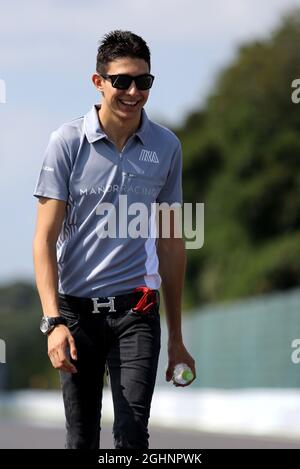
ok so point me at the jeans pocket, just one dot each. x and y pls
(153, 313)
(71, 318)
(72, 323)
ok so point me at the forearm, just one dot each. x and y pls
(172, 262)
(46, 274)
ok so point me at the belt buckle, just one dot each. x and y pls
(110, 304)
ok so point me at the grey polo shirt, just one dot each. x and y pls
(83, 167)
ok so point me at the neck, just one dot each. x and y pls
(118, 130)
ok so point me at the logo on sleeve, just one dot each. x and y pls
(48, 168)
(149, 156)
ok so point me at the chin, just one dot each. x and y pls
(129, 114)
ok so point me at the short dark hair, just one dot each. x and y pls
(118, 44)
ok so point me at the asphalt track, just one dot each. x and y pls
(23, 435)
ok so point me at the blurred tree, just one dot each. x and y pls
(27, 363)
(241, 158)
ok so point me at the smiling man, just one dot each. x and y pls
(100, 294)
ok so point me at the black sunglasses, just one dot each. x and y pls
(122, 82)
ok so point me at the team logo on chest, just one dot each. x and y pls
(149, 156)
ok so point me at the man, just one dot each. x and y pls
(99, 293)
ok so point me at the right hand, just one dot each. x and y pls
(59, 340)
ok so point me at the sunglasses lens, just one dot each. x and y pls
(122, 82)
(144, 82)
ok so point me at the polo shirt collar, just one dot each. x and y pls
(143, 129)
(92, 126)
(94, 132)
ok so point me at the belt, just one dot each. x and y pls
(141, 299)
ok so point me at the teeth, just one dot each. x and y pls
(129, 103)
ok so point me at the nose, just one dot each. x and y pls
(132, 90)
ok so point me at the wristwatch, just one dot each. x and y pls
(49, 323)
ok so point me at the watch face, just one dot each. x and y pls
(44, 326)
(48, 323)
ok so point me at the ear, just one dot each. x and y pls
(98, 81)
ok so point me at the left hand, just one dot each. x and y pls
(178, 354)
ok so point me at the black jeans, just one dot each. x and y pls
(129, 342)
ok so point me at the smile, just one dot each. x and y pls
(128, 103)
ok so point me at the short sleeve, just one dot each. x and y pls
(172, 190)
(53, 180)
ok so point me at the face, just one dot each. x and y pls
(124, 104)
